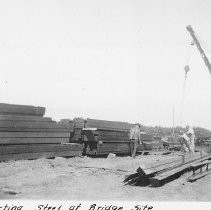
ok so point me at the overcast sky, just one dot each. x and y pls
(106, 59)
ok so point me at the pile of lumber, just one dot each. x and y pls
(157, 174)
(102, 142)
(108, 125)
(26, 134)
(102, 137)
(78, 125)
(150, 142)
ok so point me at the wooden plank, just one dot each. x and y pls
(177, 161)
(18, 149)
(76, 135)
(117, 148)
(113, 147)
(69, 124)
(149, 171)
(117, 135)
(152, 152)
(108, 136)
(37, 125)
(151, 145)
(107, 124)
(65, 121)
(79, 125)
(79, 122)
(148, 146)
(114, 130)
(31, 156)
(51, 130)
(146, 137)
(174, 173)
(200, 164)
(116, 141)
(113, 137)
(194, 178)
(107, 133)
(33, 134)
(110, 129)
(21, 109)
(32, 140)
(25, 118)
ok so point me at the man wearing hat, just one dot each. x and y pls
(191, 136)
(135, 138)
(189, 140)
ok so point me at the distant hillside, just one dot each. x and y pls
(201, 133)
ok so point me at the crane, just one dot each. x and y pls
(196, 41)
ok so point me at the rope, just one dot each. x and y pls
(183, 99)
(188, 56)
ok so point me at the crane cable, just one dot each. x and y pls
(186, 69)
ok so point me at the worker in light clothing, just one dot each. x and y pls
(182, 142)
(191, 136)
(185, 143)
(135, 138)
(188, 144)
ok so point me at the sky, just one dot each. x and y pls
(117, 60)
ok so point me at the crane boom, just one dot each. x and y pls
(203, 55)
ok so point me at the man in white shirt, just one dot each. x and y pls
(188, 143)
(191, 136)
(135, 138)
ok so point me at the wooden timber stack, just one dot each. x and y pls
(159, 173)
(101, 137)
(26, 134)
(78, 125)
(150, 142)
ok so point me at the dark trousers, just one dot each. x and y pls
(133, 147)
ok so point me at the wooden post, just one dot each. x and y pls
(201, 153)
(193, 171)
(183, 159)
(201, 169)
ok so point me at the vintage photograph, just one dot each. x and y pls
(105, 100)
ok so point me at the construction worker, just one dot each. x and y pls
(188, 140)
(183, 142)
(191, 136)
(135, 139)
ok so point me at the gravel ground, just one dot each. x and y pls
(84, 178)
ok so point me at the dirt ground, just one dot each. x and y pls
(85, 178)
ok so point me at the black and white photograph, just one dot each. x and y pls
(105, 100)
